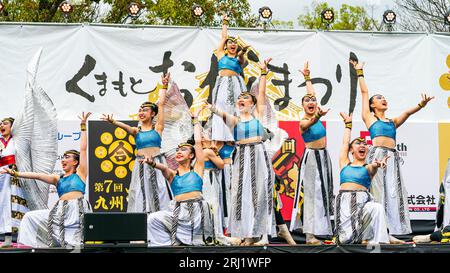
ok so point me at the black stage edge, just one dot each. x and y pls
(270, 249)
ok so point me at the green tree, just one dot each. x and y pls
(279, 24)
(160, 12)
(178, 12)
(47, 11)
(348, 18)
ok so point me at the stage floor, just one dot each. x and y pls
(273, 248)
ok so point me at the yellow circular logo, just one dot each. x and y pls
(106, 138)
(120, 133)
(121, 172)
(120, 152)
(131, 165)
(106, 166)
(101, 152)
(131, 140)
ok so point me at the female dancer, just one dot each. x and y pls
(13, 204)
(252, 182)
(316, 172)
(388, 187)
(229, 84)
(359, 219)
(149, 191)
(225, 152)
(63, 224)
(187, 219)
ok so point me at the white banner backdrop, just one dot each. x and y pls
(117, 77)
(116, 68)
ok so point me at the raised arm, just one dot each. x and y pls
(373, 167)
(47, 178)
(241, 55)
(82, 167)
(167, 172)
(200, 157)
(366, 114)
(306, 123)
(224, 36)
(398, 121)
(214, 158)
(229, 120)
(159, 126)
(261, 100)
(307, 75)
(343, 156)
(131, 130)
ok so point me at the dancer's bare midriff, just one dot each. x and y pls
(384, 142)
(227, 73)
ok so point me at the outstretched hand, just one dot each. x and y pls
(382, 163)
(305, 71)
(357, 65)
(165, 78)
(263, 65)
(6, 170)
(107, 117)
(147, 159)
(425, 99)
(84, 117)
(322, 112)
(346, 118)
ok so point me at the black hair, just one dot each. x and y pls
(10, 119)
(371, 100)
(152, 106)
(76, 155)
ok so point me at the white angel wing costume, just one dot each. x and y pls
(177, 124)
(273, 140)
(35, 132)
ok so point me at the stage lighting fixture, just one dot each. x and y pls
(327, 16)
(66, 8)
(265, 13)
(197, 10)
(133, 9)
(389, 17)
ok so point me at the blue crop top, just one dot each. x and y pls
(145, 139)
(248, 129)
(230, 63)
(314, 132)
(381, 128)
(226, 151)
(70, 183)
(356, 174)
(209, 164)
(188, 182)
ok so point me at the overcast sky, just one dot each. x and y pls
(287, 10)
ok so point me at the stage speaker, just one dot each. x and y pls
(102, 228)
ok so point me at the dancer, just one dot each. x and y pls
(387, 186)
(253, 176)
(33, 148)
(212, 187)
(359, 219)
(187, 220)
(316, 171)
(149, 191)
(225, 152)
(229, 83)
(63, 224)
(13, 204)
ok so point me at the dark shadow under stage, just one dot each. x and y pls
(270, 249)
